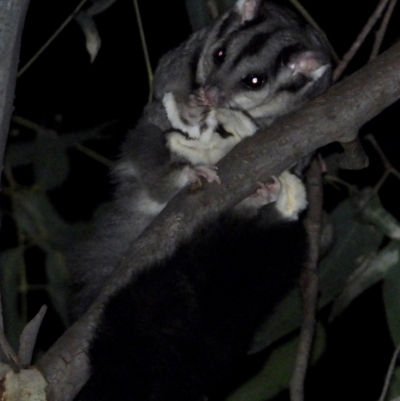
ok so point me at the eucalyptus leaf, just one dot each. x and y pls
(11, 264)
(354, 241)
(58, 279)
(391, 297)
(92, 36)
(199, 13)
(369, 274)
(285, 318)
(25, 213)
(394, 389)
(202, 12)
(99, 6)
(48, 152)
(50, 160)
(373, 271)
(36, 216)
(373, 212)
(277, 371)
(19, 154)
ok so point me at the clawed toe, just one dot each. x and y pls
(209, 173)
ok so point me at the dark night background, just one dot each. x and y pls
(63, 91)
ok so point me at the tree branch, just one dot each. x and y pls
(360, 39)
(337, 115)
(309, 280)
(12, 17)
(382, 29)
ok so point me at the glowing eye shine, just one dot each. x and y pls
(219, 55)
(254, 81)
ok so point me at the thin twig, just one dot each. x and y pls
(144, 47)
(23, 122)
(332, 180)
(389, 169)
(385, 160)
(389, 373)
(52, 37)
(378, 149)
(359, 40)
(309, 281)
(28, 338)
(381, 181)
(307, 16)
(93, 155)
(382, 30)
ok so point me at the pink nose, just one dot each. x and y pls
(209, 95)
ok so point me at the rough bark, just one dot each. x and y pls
(12, 18)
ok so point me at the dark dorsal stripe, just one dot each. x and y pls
(235, 16)
(193, 63)
(225, 24)
(252, 47)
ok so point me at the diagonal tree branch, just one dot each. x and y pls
(335, 116)
(360, 39)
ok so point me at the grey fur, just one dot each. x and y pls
(287, 53)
